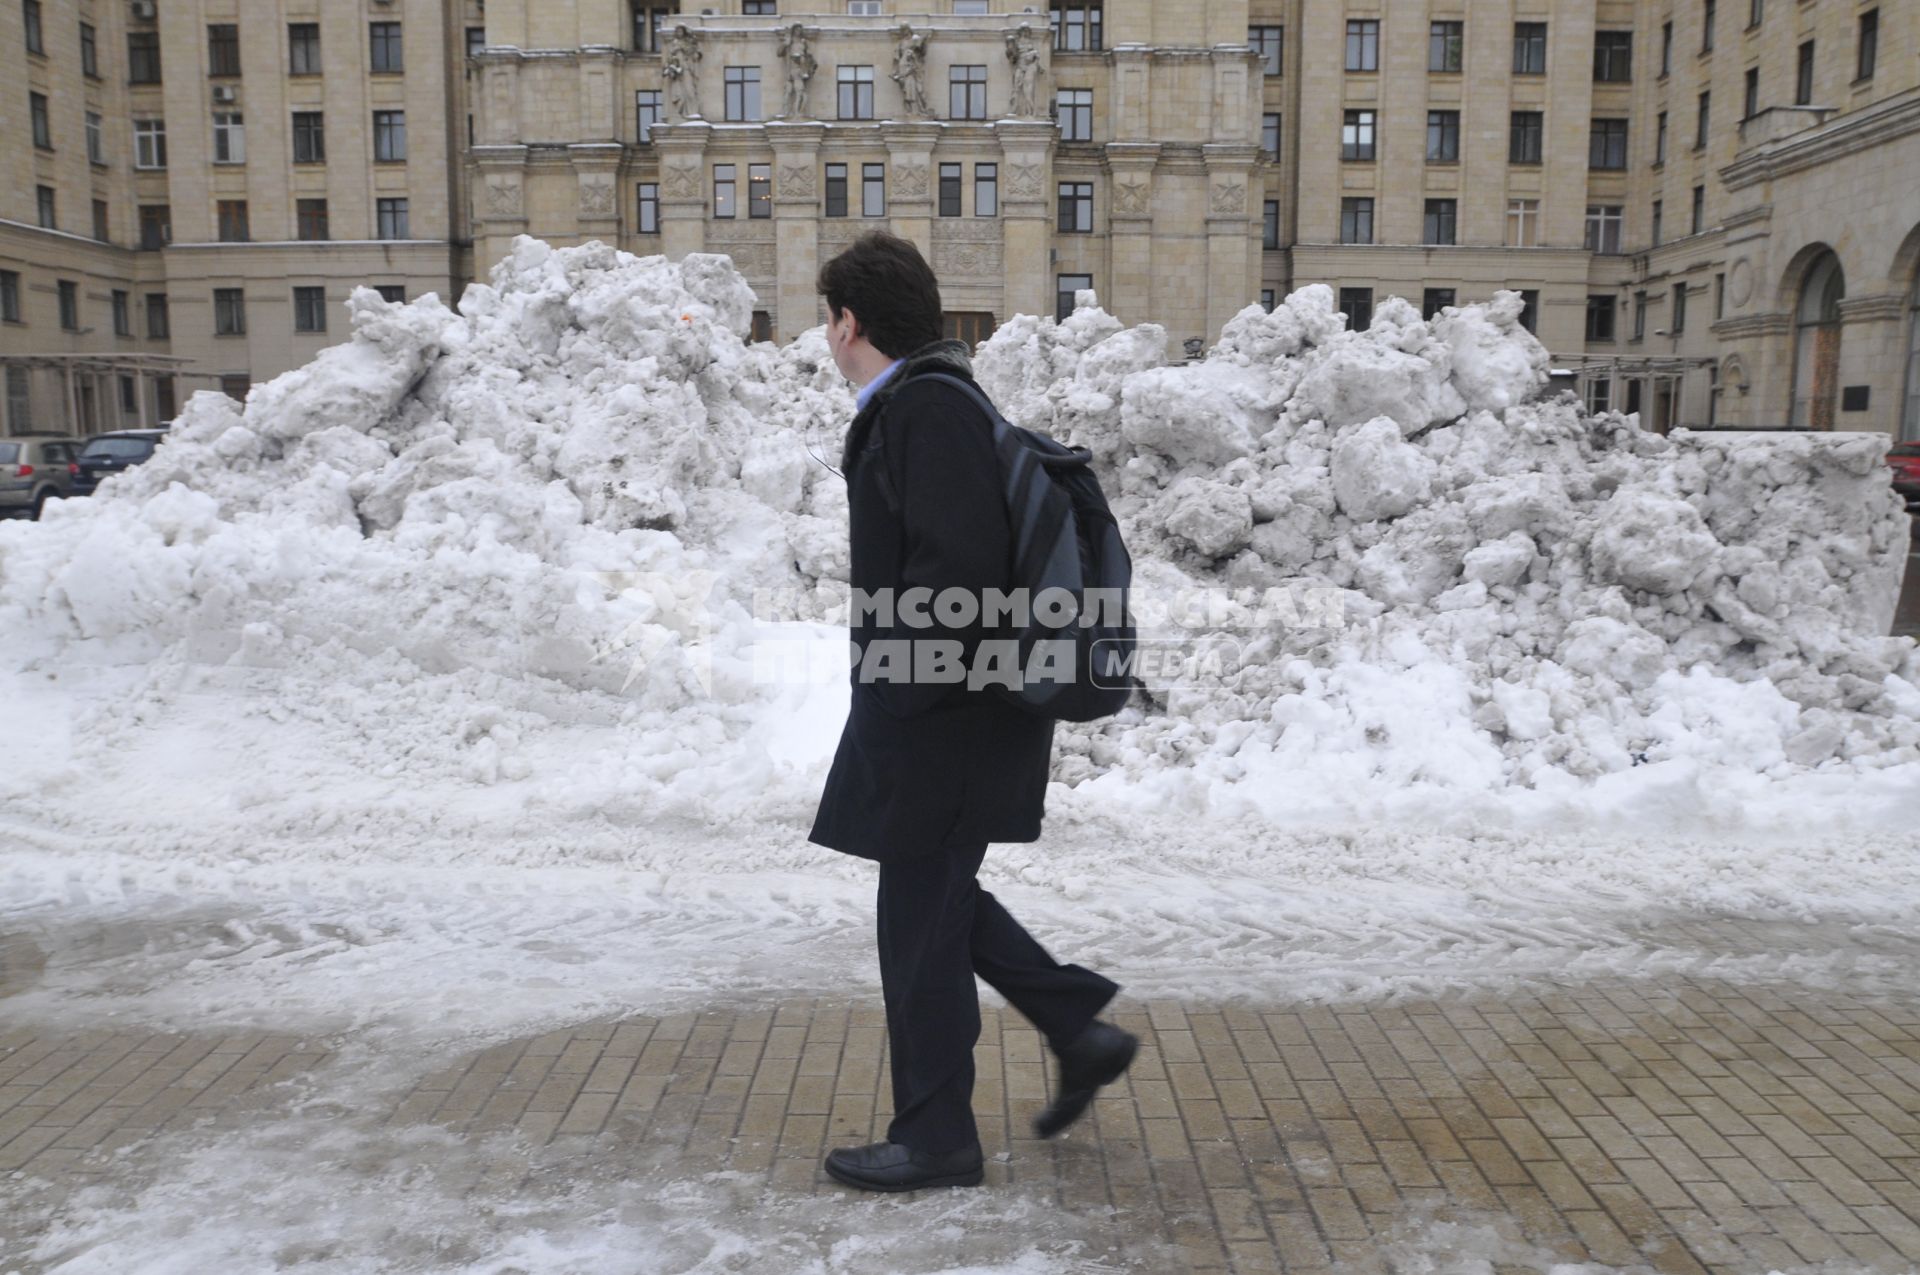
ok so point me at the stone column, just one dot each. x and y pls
(910, 183)
(796, 225)
(596, 167)
(1873, 353)
(683, 186)
(1130, 219)
(500, 202)
(1026, 150)
(1233, 245)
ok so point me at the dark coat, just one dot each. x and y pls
(921, 766)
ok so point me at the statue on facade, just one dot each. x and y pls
(1023, 50)
(910, 69)
(797, 56)
(682, 71)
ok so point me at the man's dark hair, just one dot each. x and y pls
(891, 290)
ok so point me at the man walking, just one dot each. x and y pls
(929, 772)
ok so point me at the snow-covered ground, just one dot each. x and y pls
(424, 698)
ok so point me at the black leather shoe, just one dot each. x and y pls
(1098, 1056)
(888, 1166)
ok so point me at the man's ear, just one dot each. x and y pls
(858, 330)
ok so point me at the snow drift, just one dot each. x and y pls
(511, 554)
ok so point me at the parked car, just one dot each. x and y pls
(34, 471)
(1905, 459)
(110, 453)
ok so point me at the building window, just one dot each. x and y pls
(1600, 314)
(1441, 215)
(69, 305)
(96, 148)
(1660, 140)
(229, 312)
(163, 392)
(1659, 209)
(384, 38)
(1666, 49)
(143, 57)
(1869, 44)
(36, 36)
(949, 190)
(43, 197)
(836, 190)
(10, 296)
(1443, 137)
(229, 138)
(1076, 25)
(159, 326)
(1706, 112)
(1445, 42)
(19, 399)
(1434, 300)
(1708, 12)
(647, 111)
(1064, 286)
(1357, 305)
(1076, 208)
(1607, 145)
(223, 49)
(303, 48)
(967, 92)
(1606, 223)
(390, 219)
(122, 314)
(390, 136)
(233, 221)
(1803, 76)
(1599, 397)
(1268, 299)
(235, 385)
(1720, 296)
(873, 190)
(1075, 109)
(759, 191)
(1613, 56)
(309, 309)
(856, 92)
(1530, 309)
(986, 190)
(723, 190)
(1363, 44)
(1679, 307)
(392, 293)
(1699, 220)
(1356, 219)
(970, 8)
(1356, 135)
(1270, 224)
(129, 403)
(1270, 43)
(648, 222)
(758, 8)
(1529, 48)
(649, 21)
(149, 143)
(476, 40)
(1639, 316)
(1523, 223)
(1750, 104)
(310, 137)
(100, 230)
(864, 8)
(1523, 138)
(310, 218)
(42, 125)
(1270, 135)
(1756, 12)
(743, 93)
(89, 51)
(156, 226)
(971, 326)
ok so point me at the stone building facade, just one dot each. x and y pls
(1712, 206)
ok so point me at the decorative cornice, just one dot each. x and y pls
(1871, 126)
(1778, 323)
(1882, 307)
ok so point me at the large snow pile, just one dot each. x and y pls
(513, 551)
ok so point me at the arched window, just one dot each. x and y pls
(1816, 344)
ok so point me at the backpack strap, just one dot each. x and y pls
(972, 391)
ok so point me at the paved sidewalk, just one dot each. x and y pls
(1684, 1126)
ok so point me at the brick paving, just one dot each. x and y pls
(1684, 1126)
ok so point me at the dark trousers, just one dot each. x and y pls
(937, 930)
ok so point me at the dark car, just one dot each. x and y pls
(1905, 459)
(110, 453)
(34, 471)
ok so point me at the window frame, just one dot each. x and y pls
(649, 109)
(950, 181)
(391, 214)
(873, 189)
(1607, 144)
(1447, 136)
(853, 84)
(1523, 221)
(1529, 40)
(309, 137)
(726, 193)
(1269, 225)
(229, 312)
(233, 222)
(159, 317)
(1073, 115)
(389, 136)
(143, 57)
(759, 192)
(1522, 127)
(1866, 45)
(837, 186)
(1603, 319)
(150, 139)
(310, 213)
(1356, 219)
(1440, 222)
(1363, 46)
(1269, 40)
(1606, 228)
(223, 50)
(740, 86)
(1446, 46)
(303, 46)
(309, 309)
(967, 91)
(1359, 135)
(1075, 207)
(1084, 17)
(986, 176)
(1613, 56)
(229, 136)
(386, 40)
(40, 115)
(1063, 295)
(68, 294)
(646, 198)
(1355, 304)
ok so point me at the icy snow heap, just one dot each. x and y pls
(459, 535)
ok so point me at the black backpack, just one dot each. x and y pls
(1064, 536)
